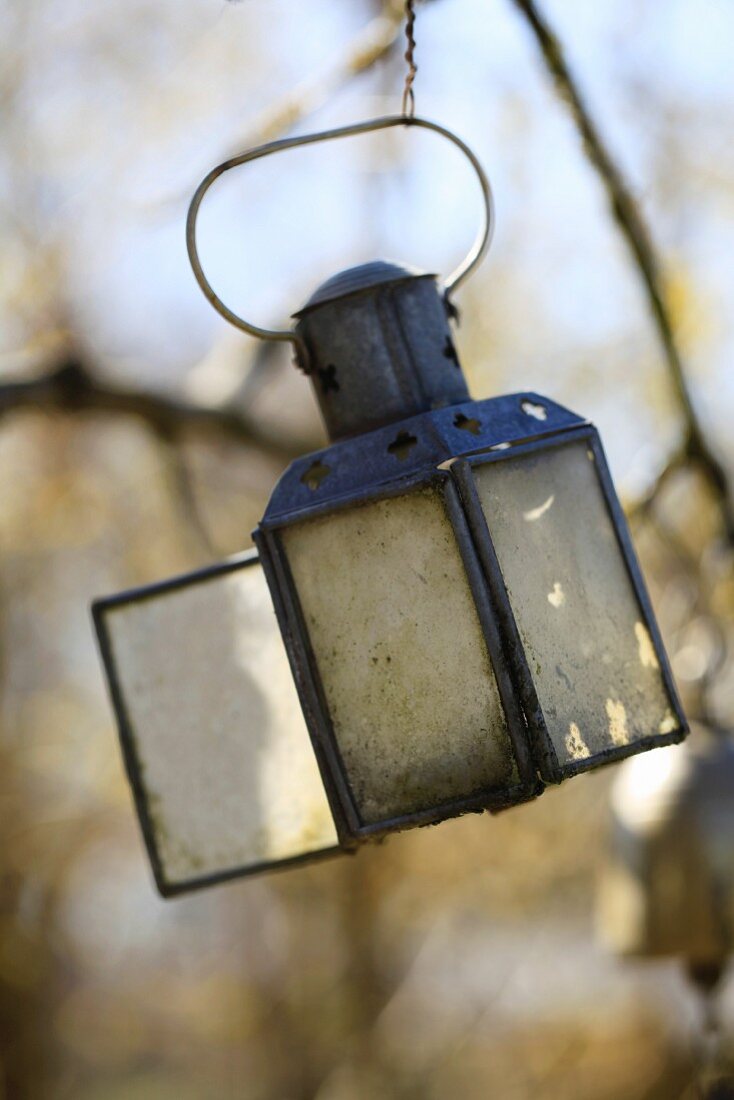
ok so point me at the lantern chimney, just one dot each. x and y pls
(379, 348)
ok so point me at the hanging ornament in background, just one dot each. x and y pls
(668, 884)
(453, 580)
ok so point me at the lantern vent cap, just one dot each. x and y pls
(363, 277)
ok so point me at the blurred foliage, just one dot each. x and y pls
(457, 961)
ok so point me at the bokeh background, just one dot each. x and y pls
(459, 961)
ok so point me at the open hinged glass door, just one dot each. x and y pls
(214, 740)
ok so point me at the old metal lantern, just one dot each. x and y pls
(454, 579)
(454, 582)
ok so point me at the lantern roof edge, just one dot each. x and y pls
(362, 277)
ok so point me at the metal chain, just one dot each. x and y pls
(408, 108)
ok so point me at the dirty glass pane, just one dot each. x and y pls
(593, 661)
(215, 725)
(401, 655)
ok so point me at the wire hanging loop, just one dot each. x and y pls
(408, 93)
(455, 279)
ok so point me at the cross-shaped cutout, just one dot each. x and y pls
(538, 412)
(450, 351)
(467, 424)
(315, 474)
(402, 445)
(327, 378)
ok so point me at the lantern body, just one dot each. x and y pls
(467, 619)
(460, 601)
(668, 887)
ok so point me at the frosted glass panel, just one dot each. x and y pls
(216, 728)
(592, 659)
(400, 651)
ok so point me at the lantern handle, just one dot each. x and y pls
(455, 279)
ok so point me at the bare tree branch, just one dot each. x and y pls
(71, 387)
(637, 237)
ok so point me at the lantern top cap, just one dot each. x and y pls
(363, 277)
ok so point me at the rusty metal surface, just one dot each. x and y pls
(379, 348)
(352, 467)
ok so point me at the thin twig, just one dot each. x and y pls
(183, 492)
(369, 46)
(641, 508)
(637, 237)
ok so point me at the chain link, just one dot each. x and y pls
(408, 108)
